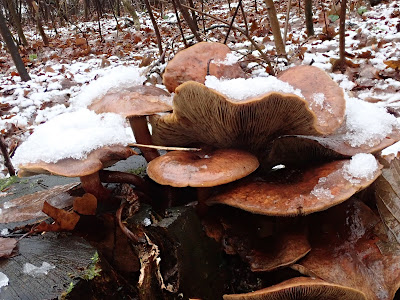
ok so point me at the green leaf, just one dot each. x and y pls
(32, 57)
(333, 18)
(361, 10)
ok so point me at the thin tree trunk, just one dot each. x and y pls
(156, 31)
(35, 11)
(309, 17)
(128, 6)
(276, 30)
(8, 39)
(289, 4)
(188, 19)
(179, 23)
(17, 23)
(342, 31)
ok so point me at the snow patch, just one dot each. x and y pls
(240, 89)
(34, 271)
(367, 123)
(230, 59)
(3, 280)
(361, 166)
(72, 135)
(114, 78)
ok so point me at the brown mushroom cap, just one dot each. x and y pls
(203, 115)
(201, 169)
(346, 250)
(301, 288)
(191, 64)
(70, 167)
(297, 193)
(313, 83)
(134, 101)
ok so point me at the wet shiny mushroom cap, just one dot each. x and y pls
(201, 169)
(192, 64)
(301, 288)
(323, 95)
(70, 167)
(296, 192)
(134, 101)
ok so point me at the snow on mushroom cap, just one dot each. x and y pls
(240, 89)
(72, 135)
(367, 123)
(115, 78)
(361, 166)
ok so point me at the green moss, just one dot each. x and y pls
(7, 182)
(141, 171)
(93, 270)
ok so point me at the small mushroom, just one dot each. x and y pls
(201, 169)
(135, 103)
(301, 288)
(194, 62)
(297, 192)
(86, 169)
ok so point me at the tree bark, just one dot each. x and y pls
(276, 30)
(342, 29)
(309, 17)
(128, 6)
(35, 11)
(17, 23)
(8, 39)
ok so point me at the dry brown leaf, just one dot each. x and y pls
(394, 64)
(7, 247)
(85, 205)
(387, 193)
(64, 220)
(80, 41)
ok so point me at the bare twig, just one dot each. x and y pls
(244, 17)
(289, 4)
(7, 160)
(164, 147)
(156, 30)
(179, 23)
(233, 20)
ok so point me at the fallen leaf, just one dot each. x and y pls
(64, 220)
(394, 64)
(7, 247)
(85, 205)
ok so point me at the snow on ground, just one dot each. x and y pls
(66, 76)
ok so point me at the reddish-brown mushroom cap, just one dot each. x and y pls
(193, 62)
(134, 101)
(301, 288)
(324, 96)
(297, 193)
(201, 169)
(87, 169)
(203, 115)
(70, 167)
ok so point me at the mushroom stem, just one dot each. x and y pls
(123, 177)
(203, 193)
(142, 136)
(92, 184)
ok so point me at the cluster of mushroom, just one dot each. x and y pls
(305, 165)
